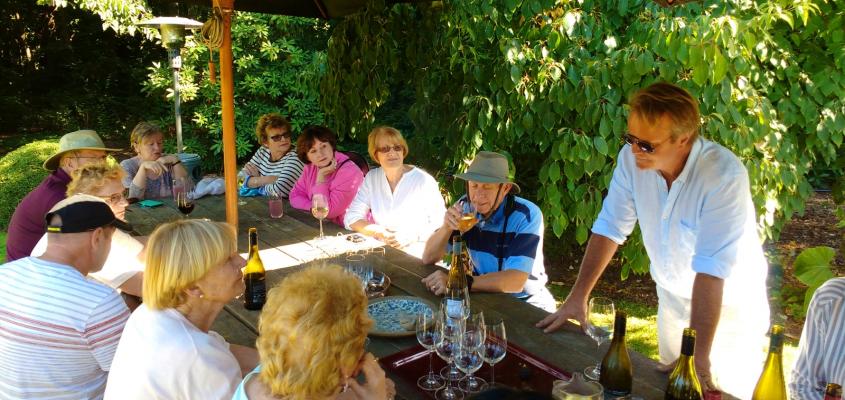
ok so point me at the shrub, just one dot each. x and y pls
(20, 172)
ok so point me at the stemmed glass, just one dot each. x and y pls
(446, 342)
(469, 216)
(185, 202)
(475, 332)
(454, 312)
(494, 349)
(599, 327)
(320, 210)
(241, 180)
(427, 335)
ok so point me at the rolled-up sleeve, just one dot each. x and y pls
(723, 222)
(618, 216)
(360, 205)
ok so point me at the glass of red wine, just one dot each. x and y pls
(185, 202)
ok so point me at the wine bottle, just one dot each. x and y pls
(683, 381)
(616, 373)
(457, 293)
(255, 292)
(833, 392)
(771, 385)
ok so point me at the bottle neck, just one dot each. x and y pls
(688, 346)
(253, 242)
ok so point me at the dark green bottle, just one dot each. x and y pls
(616, 373)
(683, 381)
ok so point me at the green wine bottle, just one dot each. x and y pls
(771, 385)
(683, 381)
(616, 373)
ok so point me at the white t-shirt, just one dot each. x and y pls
(413, 210)
(121, 264)
(162, 355)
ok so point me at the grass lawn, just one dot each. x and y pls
(3, 246)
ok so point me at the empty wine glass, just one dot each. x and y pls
(454, 312)
(494, 348)
(449, 335)
(185, 202)
(475, 332)
(427, 335)
(320, 210)
(599, 328)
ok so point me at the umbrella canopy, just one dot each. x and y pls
(325, 9)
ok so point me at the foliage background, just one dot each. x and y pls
(20, 172)
(548, 81)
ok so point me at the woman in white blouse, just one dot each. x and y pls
(398, 204)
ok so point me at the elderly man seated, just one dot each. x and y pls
(506, 242)
(58, 329)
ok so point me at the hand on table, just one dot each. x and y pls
(572, 308)
(436, 282)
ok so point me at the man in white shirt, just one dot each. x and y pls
(58, 329)
(692, 200)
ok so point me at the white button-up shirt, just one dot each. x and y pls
(704, 224)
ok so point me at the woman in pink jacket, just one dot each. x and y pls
(327, 172)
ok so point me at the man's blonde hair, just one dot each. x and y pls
(387, 132)
(313, 325)
(663, 98)
(179, 254)
(93, 177)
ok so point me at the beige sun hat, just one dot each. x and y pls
(489, 167)
(79, 140)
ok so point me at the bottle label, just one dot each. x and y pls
(255, 294)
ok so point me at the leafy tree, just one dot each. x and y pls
(548, 81)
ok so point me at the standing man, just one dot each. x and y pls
(692, 200)
(506, 242)
(26, 226)
(58, 329)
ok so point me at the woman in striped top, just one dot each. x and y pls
(275, 166)
(821, 352)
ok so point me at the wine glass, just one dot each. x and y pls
(448, 337)
(494, 348)
(241, 181)
(179, 185)
(599, 328)
(475, 333)
(427, 335)
(454, 313)
(320, 210)
(469, 216)
(185, 202)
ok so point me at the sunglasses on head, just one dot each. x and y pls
(278, 138)
(642, 144)
(385, 149)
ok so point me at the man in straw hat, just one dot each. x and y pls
(76, 149)
(506, 242)
(58, 329)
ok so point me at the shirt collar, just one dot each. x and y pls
(691, 160)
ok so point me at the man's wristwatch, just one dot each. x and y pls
(470, 279)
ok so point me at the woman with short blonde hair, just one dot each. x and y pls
(311, 340)
(397, 203)
(167, 350)
(150, 174)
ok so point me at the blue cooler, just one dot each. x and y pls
(191, 162)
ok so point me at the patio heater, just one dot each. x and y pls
(173, 37)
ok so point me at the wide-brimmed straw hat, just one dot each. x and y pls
(489, 167)
(79, 140)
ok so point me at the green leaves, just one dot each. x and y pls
(812, 268)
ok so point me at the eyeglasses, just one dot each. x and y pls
(114, 199)
(642, 144)
(99, 158)
(278, 138)
(386, 149)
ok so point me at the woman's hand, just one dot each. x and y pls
(153, 169)
(376, 386)
(323, 172)
(251, 169)
(168, 159)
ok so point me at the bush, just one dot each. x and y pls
(20, 172)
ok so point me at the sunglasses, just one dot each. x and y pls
(278, 138)
(642, 144)
(386, 149)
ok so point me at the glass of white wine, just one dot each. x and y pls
(320, 210)
(241, 181)
(599, 327)
(469, 216)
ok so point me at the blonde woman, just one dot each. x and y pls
(311, 342)
(123, 270)
(398, 203)
(149, 175)
(167, 351)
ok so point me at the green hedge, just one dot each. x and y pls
(20, 172)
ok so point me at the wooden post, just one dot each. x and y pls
(227, 94)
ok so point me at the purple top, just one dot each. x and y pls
(340, 187)
(27, 224)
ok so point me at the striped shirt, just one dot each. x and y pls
(287, 170)
(821, 352)
(58, 331)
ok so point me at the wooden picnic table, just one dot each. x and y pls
(287, 245)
